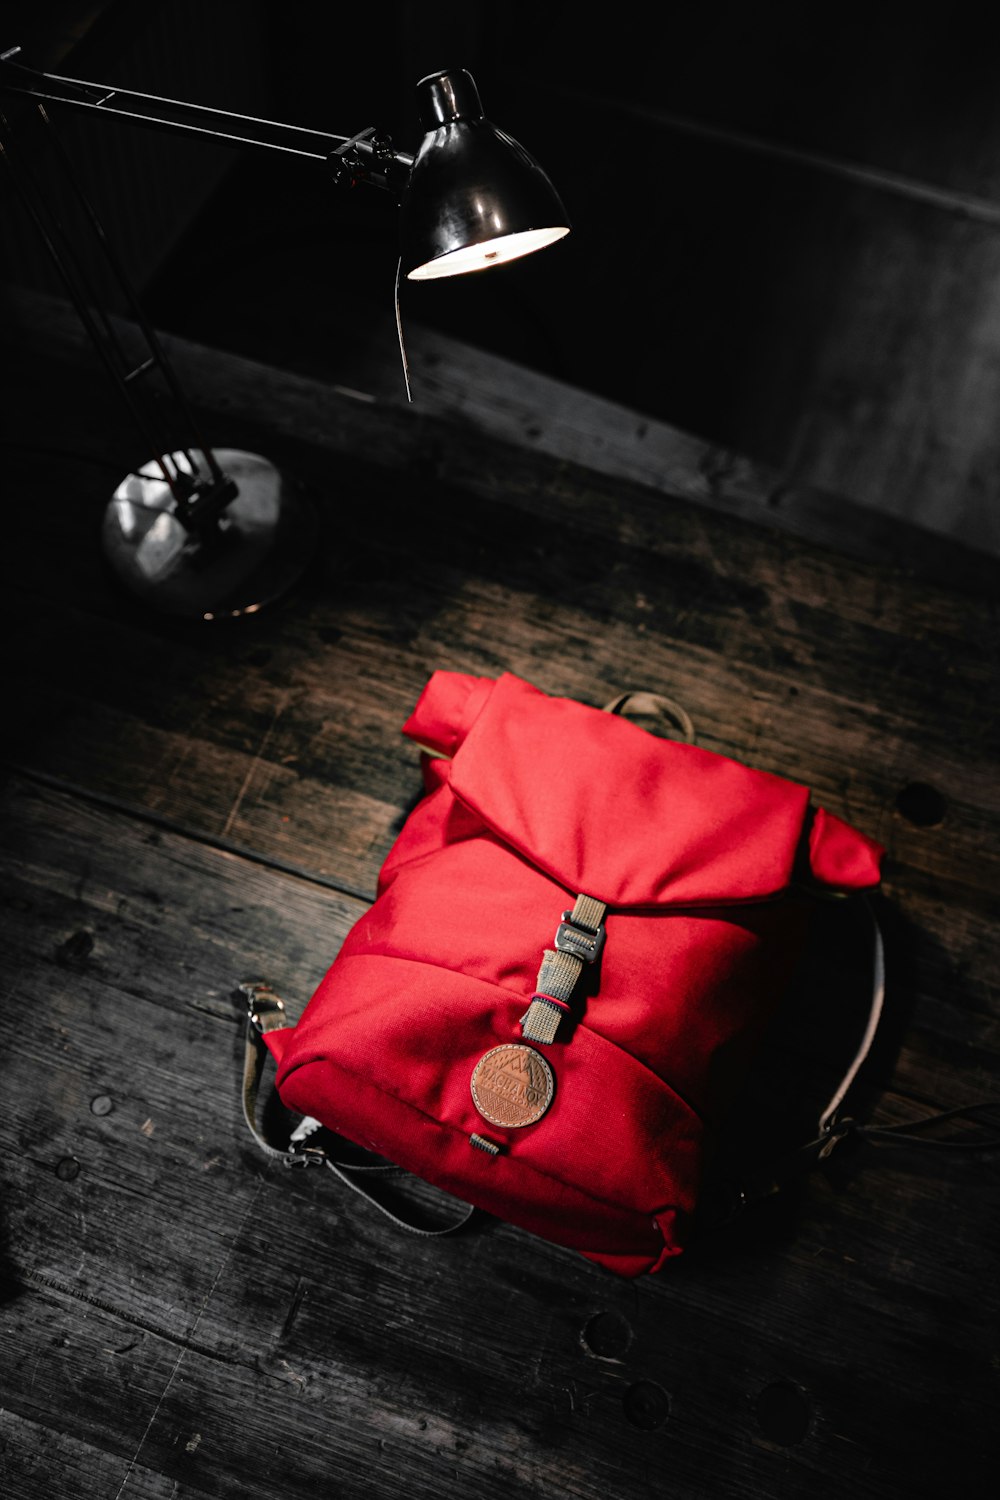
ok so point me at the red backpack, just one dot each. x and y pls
(565, 1083)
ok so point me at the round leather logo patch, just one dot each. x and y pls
(512, 1085)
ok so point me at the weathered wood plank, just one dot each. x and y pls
(225, 1287)
(314, 771)
(464, 398)
(285, 736)
(226, 800)
(35, 1461)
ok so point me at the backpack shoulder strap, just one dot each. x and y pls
(266, 1012)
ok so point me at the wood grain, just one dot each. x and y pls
(184, 807)
(179, 1265)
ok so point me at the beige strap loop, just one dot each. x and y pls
(653, 705)
(579, 939)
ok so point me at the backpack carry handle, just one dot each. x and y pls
(640, 703)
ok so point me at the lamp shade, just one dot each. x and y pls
(475, 198)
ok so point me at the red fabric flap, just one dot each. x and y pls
(607, 809)
(446, 710)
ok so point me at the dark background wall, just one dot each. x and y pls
(786, 217)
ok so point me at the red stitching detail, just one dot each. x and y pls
(552, 1000)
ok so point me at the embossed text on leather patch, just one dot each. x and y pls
(512, 1085)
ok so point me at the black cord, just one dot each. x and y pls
(985, 1113)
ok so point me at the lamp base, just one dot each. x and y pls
(259, 546)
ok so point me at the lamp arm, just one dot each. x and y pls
(366, 157)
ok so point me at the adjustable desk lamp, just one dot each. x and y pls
(213, 534)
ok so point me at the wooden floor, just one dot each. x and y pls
(188, 804)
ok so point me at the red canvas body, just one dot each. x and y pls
(532, 800)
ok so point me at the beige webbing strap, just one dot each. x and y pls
(828, 1118)
(579, 940)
